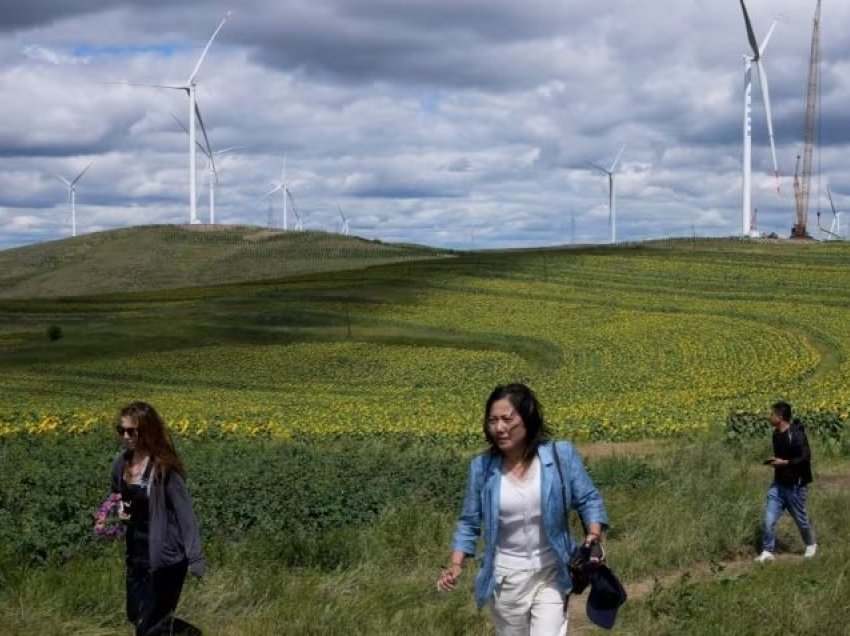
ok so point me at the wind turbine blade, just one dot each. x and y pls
(64, 180)
(616, 159)
(203, 128)
(170, 86)
(209, 150)
(274, 189)
(186, 130)
(751, 36)
(767, 38)
(766, 96)
(597, 167)
(179, 122)
(197, 68)
(228, 149)
(80, 176)
(339, 207)
(829, 194)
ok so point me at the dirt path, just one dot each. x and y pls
(602, 450)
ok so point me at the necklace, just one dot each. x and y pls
(137, 469)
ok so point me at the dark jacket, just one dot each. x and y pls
(792, 445)
(174, 534)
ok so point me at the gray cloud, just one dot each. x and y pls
(458, 123)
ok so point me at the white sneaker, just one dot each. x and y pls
(811, 550)
(764, 557)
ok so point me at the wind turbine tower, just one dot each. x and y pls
(212, 176)
(72, 196)
(756, 59)
(612, 197)
(281, 185)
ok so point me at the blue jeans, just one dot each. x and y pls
(792, 499)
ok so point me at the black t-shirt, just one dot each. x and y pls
(792, 445)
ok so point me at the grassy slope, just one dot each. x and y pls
(167, 257)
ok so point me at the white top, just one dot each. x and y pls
(522, 543)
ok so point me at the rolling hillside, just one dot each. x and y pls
(168, 257)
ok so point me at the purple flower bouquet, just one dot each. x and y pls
(106, 522)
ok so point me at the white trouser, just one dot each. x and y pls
(528, 603)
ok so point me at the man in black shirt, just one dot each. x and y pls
(792, 473)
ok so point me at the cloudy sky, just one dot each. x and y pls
(449, 122)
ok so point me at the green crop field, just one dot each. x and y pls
(326, 393)
(652, 341)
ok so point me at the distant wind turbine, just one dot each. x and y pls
(612, 198)
(344, 228)
(749, 62)
(280, 185)
(210, 154)
(72, 196)
(834, 232)
(212, 176)
(190, 87)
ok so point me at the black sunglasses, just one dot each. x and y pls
(132, 431)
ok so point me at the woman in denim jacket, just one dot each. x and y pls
(515, 497)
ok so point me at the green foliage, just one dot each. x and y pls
(828, 426)
(295, 496)
(695, 505)
(625, 472)
(54, 333)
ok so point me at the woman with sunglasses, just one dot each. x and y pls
(517, 497)
(162, 536)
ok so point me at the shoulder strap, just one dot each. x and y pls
(561, 475)
(146, 476)
(563, 484)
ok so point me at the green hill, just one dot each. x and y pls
(170, 256)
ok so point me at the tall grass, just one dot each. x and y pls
(671, 512)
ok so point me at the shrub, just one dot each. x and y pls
(826, 425)
(54, 333)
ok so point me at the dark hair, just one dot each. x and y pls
(528, 406)
(783, 410)
(154, 438)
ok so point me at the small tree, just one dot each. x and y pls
(54, 333)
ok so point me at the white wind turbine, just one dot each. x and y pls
(210, 154)
(749, 62)
(344, 229)
(72, 195)
(612, 197)
(281, 186)
(212, 175)
(190, 87)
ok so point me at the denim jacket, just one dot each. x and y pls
(480, 514)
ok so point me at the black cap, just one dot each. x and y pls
(606, 596)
